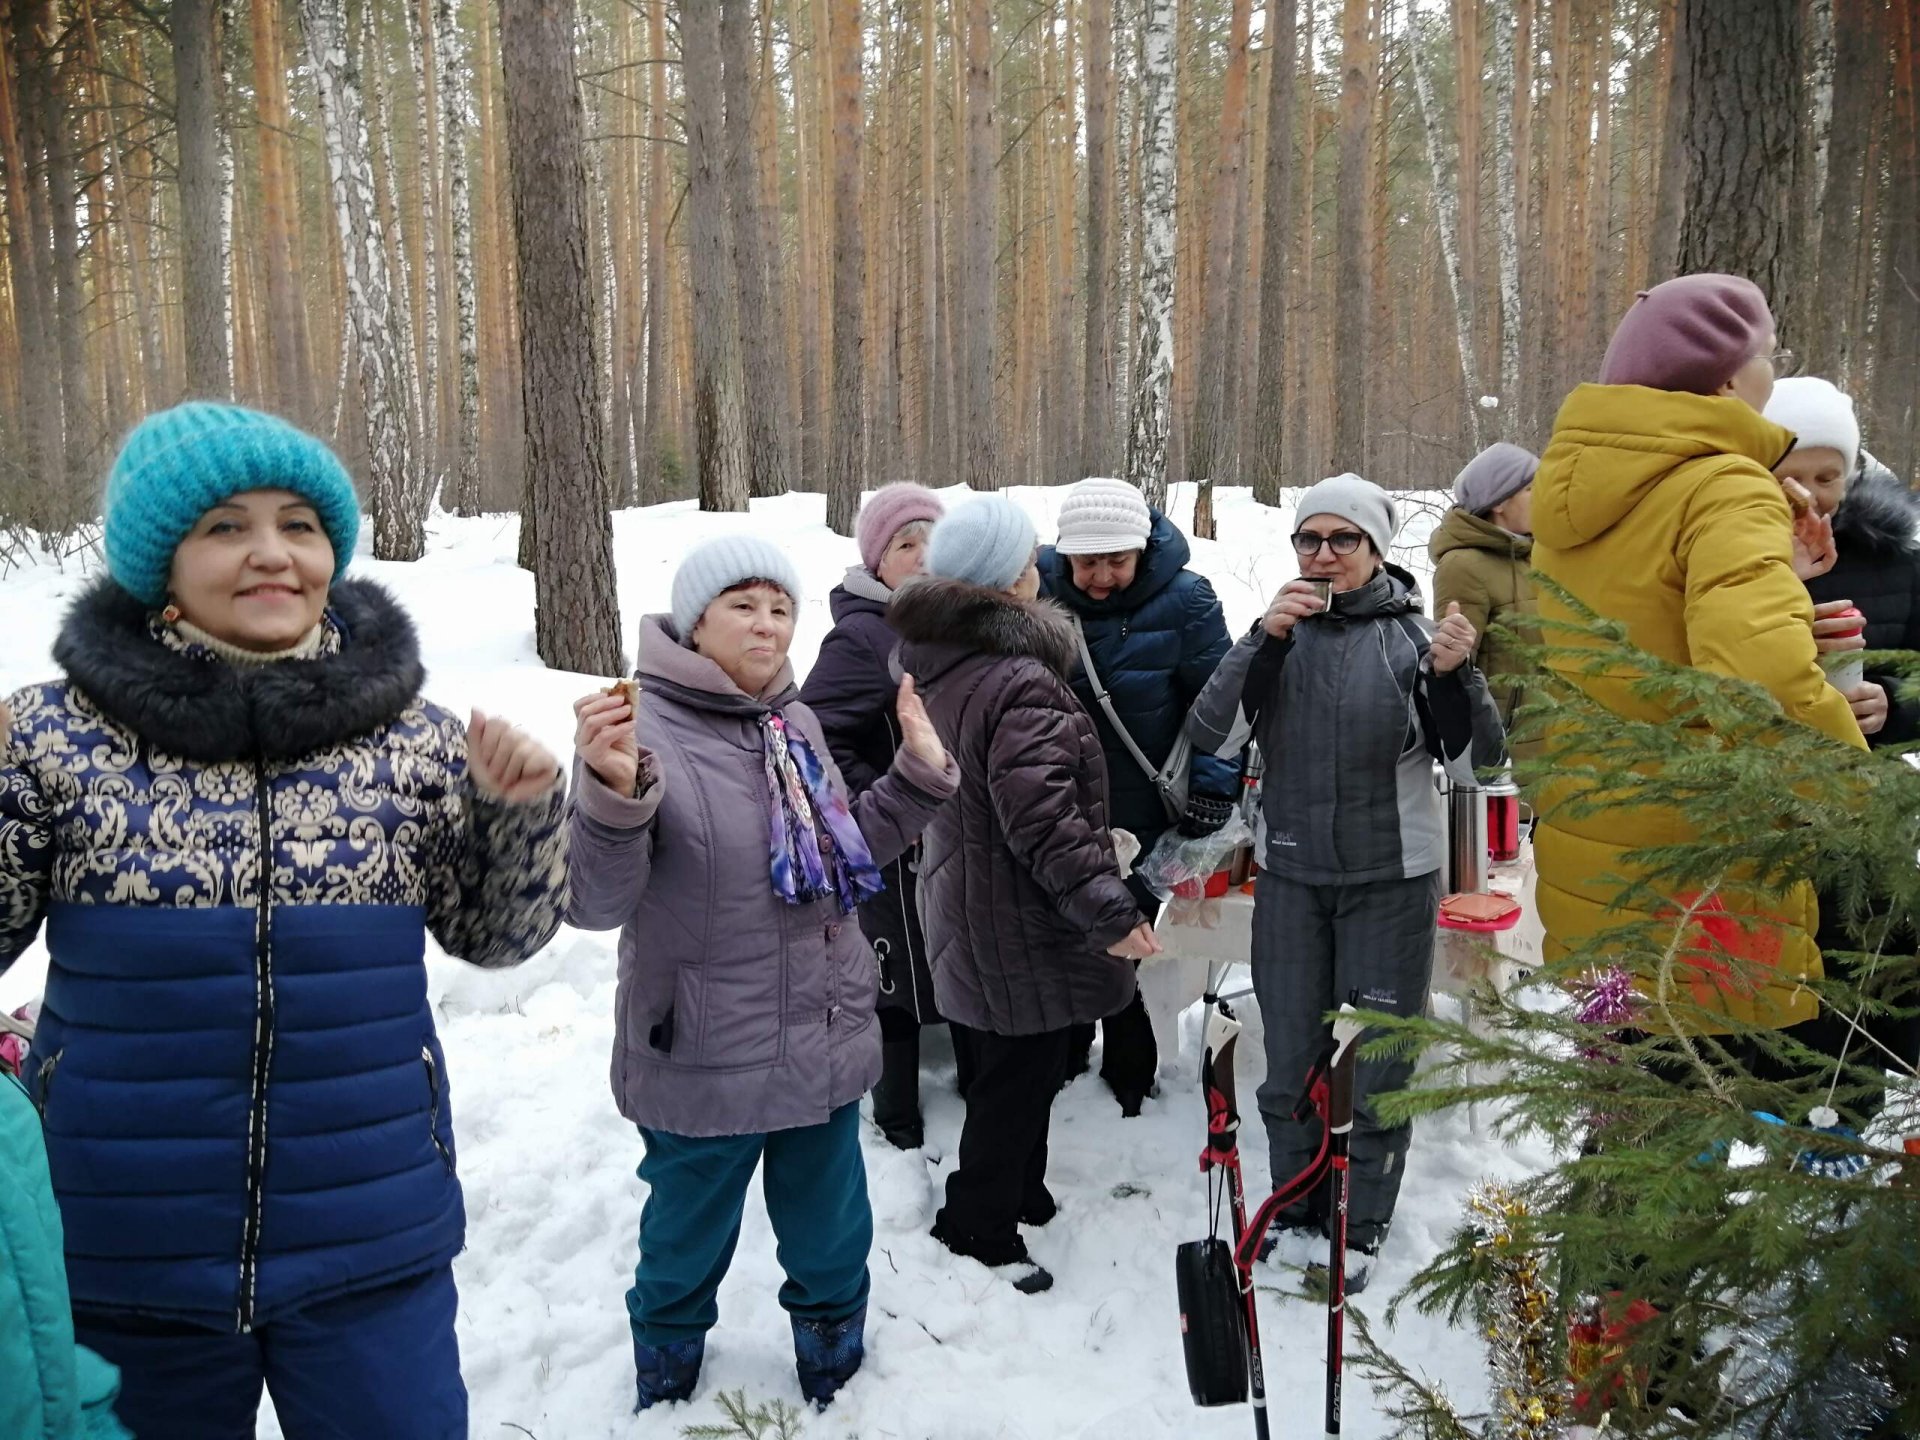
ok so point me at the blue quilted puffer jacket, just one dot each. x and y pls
(1156, 644)
(246, 1106)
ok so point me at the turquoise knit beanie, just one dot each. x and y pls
(987, 542)
(179, 463)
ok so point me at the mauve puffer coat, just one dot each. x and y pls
(1020, 895)
(736, 1013)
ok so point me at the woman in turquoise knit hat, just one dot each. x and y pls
(239, 823)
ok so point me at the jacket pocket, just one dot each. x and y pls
(43, 1082)
(435, 1089)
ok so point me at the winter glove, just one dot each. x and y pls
(1204, 816)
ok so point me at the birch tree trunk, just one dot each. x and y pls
(929, 245)
(1446, 201)
(762, 350)
(1151, 410)
(203, 283)
(846, 477)
(1830, 344)
(985, 460)
(453, 127)
(1276, 225)
(720, 438)
(387, 186)
(1506, 201)
(659, 325)
(378, 340)
(576, 609)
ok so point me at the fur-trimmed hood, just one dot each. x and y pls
(186, 702)
(1879, 516)
(945, 621)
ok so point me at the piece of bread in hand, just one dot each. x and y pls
(630, 689)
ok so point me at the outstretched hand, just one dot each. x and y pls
(1453, 641)
(917, 734)
(606, 740)
(507, 764)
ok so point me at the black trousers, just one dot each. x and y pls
(1002, 1178)
(1129, 1056)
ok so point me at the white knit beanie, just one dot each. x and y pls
(1351, 498)
(1818, 413)
(987, 542)
(1103, 517)
(712, 569)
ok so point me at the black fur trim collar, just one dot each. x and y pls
(209, 712)
(972, 619)
(1878, 516)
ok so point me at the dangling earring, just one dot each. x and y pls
(171, 614)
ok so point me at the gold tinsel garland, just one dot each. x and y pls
(1530, 1400)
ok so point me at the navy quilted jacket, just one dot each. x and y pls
(245, 1102)
(1155, 644)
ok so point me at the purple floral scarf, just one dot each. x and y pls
(808, 866)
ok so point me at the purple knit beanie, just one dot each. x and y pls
(886, 511)
(1689, 334)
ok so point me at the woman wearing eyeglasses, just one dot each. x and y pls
(1353, 694)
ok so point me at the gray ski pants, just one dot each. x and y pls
(1312, 945)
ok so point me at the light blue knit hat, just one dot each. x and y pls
(180, 463)
(986, 542)
(711, 569)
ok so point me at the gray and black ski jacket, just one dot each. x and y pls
(1351, 719)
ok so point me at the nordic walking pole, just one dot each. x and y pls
(1339, 1121)
(1223, 1152)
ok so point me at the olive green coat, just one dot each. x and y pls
(1484, 569)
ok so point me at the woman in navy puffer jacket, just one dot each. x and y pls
(239, 822)
(1156, 633)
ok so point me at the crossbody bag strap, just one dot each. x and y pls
(1106, 704)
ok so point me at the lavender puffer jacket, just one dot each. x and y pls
(737, 1012)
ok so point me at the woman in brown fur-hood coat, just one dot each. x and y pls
(1028, 923)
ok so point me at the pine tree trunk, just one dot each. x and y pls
(1830, 342)
(1891, 418)
(203, 285)
(929, 249)
(1506, 202)
(1446, 198)
(720, 438)
(846, 470)
(1353, 280)
(373, 64)
(452, 64)
(1096, 383)
(1742, 89)
(80, 458)
(985, 461)
(1670, 195)
(576, 611)
(766, 387)
(1152, 405)
(377, 337)
(1209, 457)
(286, 315)
(1276, 226)
(427, 296)
(30, 253)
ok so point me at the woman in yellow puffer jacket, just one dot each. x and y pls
(1655, 506)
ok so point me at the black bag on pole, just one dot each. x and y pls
(1213, 1324)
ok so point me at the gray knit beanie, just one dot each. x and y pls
(712, 569)
(1351, 498)
(987, 542)
(1496, 474)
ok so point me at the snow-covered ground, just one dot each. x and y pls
(548, 1163)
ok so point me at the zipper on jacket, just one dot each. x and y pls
(903, 865)
(262, 1058)
(45, 1088)
(433, 1106)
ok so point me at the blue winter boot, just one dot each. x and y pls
(667, 1373)
(826, 1353)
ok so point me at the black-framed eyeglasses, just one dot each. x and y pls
(1306, 544)
(1784, 363)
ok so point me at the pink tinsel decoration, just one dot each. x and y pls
(1610, 1001)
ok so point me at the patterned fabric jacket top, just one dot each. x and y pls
(245, 1101)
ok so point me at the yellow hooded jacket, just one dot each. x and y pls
(1659, 510)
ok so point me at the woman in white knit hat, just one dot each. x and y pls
(1155, 633)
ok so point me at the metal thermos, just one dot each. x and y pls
(1503, 821)
(1466, 840)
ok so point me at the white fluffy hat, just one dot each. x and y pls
(1103, 517)
(1818, 412)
